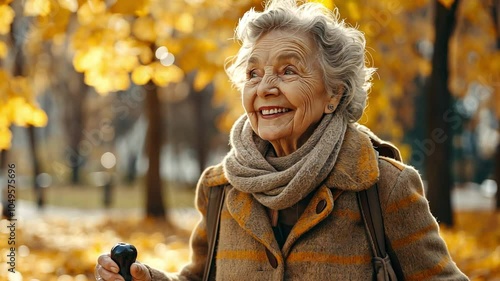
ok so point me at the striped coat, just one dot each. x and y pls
(329, 240)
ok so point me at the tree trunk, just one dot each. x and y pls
(73, 99)
(19, 70)
(37, 189)
(154, 192)
(438, 143)
(3, 168)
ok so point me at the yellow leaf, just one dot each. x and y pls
(38, 118)
(4, 120)
(329, 4)
(79, 61)
(6, 16)
(424, 67)
(102, 84)
(202, 79)
(119, 26)
(37, 8)
(70, 5)
(121, 81)
(21, 111)
(145, 55)
(144, 29)
(185, 23)
(142, 74)
(5, 138)
(163, 75)
(447, 3)
(89, 10)
(137, 8)
(125, 62)
(353, 11)
(87, 60)
(3, 50)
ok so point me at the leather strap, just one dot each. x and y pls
(372, 218)
(214, 210)
(385, 262)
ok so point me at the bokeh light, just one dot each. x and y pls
(108, 160)
(44, 180)
(161, 52)
(168, 60)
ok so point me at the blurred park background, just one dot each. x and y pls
(110, 110)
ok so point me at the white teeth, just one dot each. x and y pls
(274, 111)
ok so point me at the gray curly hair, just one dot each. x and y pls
(342, 53)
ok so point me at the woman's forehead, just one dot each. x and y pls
(278, 45)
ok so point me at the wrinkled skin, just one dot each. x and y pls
(284, 96)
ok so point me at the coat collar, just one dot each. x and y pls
(356, 167)
(252, 217)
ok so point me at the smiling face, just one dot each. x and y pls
(284, 96)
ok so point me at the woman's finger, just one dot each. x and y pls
(140, 272)
(107, 263)
(101, 274)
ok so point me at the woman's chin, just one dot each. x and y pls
(269, 136)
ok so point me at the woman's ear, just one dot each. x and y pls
(334, 100)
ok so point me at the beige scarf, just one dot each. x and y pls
(280, 182)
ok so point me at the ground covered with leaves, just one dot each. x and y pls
(64, 249)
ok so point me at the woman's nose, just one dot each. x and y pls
(268, 86)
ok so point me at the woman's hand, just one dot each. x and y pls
(107, 269)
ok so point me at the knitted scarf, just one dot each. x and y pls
(280, 182)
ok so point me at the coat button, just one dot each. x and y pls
(272, 259)
(321, 206)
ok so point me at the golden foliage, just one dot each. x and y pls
(58, 248)
(3, 50)
(473, 243)
(329, 4)
(144, 29)
(6, 17)
(37, 8)
(446, 3)
(70, 5)
(17, 106)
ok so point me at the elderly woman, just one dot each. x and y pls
(297, 160)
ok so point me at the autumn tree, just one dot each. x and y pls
(18, 105)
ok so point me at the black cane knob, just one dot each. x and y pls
(124, 255)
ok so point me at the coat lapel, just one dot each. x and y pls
(319, 208)
(252, 217)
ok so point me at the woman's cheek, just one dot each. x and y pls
(248, 97)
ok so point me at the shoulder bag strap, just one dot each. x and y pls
(385, 261)
(372, 218)
(214, 209)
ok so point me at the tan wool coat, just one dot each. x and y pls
(329, 241)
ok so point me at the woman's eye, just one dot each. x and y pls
(252, 74)
(289, 71)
